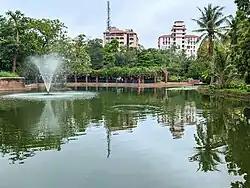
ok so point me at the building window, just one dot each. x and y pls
(122, 38)
(183, 41)
(121, 42)
(130, 43)
(183, 46)
(131, 38)
(174, 43)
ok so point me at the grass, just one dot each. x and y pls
(8, 74)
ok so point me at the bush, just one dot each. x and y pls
(7, 74)
(176, 78)
(237, 84)
(214, 86)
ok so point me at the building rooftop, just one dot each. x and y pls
(116, 30)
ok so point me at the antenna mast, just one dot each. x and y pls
(109, 20)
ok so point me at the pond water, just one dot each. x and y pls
(122, 138)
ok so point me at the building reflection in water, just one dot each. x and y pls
(179, 117)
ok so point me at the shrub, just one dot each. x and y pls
(7, 74)
(237, 84)
(173, 78)
(214, 86)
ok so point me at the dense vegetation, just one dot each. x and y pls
(222, 59)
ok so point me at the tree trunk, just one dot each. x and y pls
(96, 79)
(166, 77)
(212, 72)
(210, 53)
(107, 79)
(86, 79)
(126, 80)
(155, 79)
(142, 80)
(14, 63)
(75, 79)
(15, 55)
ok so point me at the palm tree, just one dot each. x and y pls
(208, 150)
(211, 26)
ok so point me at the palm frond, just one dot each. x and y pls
(221, 21)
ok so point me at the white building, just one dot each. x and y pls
(179, 38)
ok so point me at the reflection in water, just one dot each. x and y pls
(221, 137)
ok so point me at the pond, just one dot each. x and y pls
(125, 138)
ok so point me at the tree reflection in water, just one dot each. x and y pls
(222, 125)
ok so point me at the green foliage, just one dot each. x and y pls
(240, 38)
(224, 68)
(199, 69)
(8, 74)
(236, 84)
(96, 52)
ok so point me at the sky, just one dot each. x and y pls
(149, 18)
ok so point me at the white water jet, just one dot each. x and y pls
(48, 65)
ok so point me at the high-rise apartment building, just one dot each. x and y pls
(180, 39)
(125, 37)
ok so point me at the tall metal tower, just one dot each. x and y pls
(109, 19)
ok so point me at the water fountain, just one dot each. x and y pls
(48, 66)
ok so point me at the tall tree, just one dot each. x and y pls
(17, 21)
(211, 26)
(95, 50)
(240, 38)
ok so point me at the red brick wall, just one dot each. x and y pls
(7, 84)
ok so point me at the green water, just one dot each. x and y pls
(125, 139)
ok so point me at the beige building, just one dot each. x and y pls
(125, 37)
(180, 39)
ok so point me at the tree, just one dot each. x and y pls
(18, 23)
(211, 26)
(126, 57)
(95, 50)
(110, 49)
(224, 68)
(207, 150)
(240, 38)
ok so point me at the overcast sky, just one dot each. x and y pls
(149, 18)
